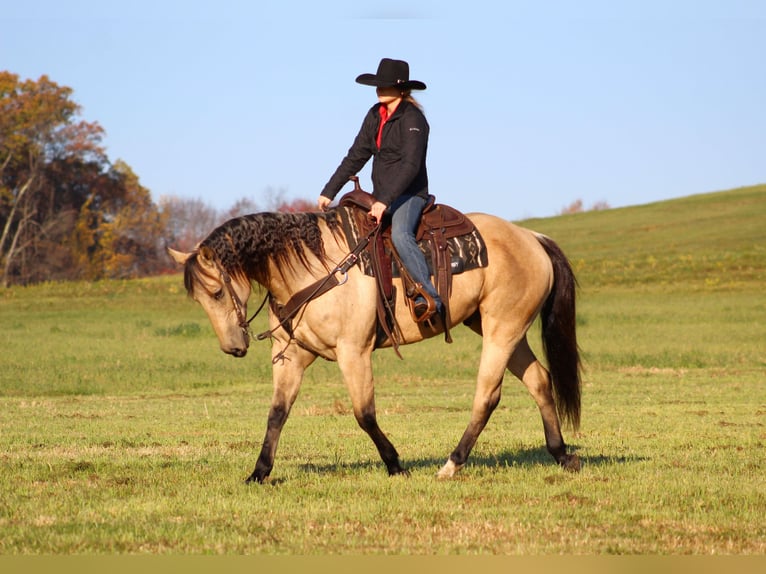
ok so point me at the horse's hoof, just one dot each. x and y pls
(253, 478)
(399, 471)
(449, 470)
(571, 463)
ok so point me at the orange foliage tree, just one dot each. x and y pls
(65, 211)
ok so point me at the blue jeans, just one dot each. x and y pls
(405, 215)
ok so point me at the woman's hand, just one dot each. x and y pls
(323, 203)
(376, 211)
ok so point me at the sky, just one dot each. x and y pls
(532, 105)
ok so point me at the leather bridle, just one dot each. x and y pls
(299, 299)
(239, 307)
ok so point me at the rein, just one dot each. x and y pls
(290, 309)
(288, 312)
(239, 307)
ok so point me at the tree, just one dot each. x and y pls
(577, 206)
(297, 205)
(65, 211)
(574, 207)
(118, 234)
(600, 205)
(187, 221)
(37, 134)
(276, 201)
(242, 206)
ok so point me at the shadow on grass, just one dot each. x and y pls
(521, 458)
(527, 458)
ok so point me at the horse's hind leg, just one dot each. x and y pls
(357, 373)
(527, 368)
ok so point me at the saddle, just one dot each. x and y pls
(439, 224)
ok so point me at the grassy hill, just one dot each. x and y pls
(707, 240)
(123, 428)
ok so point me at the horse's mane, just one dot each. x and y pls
(244, 246)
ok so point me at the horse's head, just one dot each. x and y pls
(222, 296)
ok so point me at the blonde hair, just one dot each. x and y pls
(411, 99)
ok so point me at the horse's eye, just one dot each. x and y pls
(218, 295)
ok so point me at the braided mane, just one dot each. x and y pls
(245, 245)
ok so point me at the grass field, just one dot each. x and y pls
(123, 428)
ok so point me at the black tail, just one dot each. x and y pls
(560, 336)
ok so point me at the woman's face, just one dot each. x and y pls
(388, 95)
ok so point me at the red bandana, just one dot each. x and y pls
(383, 120)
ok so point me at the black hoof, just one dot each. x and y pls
(570, 463)
(254, 478)
(399, 472)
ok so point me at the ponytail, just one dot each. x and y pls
(411, 99)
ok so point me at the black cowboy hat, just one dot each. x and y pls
(391, 73)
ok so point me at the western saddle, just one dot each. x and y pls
(438, 224)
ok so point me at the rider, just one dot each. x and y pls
(395, 133)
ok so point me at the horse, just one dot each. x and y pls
(526, 275)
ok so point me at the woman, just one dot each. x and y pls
(395, 133)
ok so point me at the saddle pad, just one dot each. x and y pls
(466, 251)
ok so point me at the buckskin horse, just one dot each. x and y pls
(526, 275)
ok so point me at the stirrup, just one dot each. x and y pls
(420, 315)
(423, 313)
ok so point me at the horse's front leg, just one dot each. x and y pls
(287, 375)
(488, 389)
(357, 373)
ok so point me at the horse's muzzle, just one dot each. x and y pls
(238, 352)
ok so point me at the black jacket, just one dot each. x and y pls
(399, 166)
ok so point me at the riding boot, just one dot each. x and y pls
(423, 306)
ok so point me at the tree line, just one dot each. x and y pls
(67, 212)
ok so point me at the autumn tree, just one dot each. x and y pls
(242, 206)
(297, 205)
(577, 206)
(65, 211)
(187, 221)
(276, 200)
(118, 232)
(37, 131)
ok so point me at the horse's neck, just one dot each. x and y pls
(286, 280)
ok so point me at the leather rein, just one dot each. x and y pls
(288, 312)
(239, 307)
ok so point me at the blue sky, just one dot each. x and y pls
(532, 105)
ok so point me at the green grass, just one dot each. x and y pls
(709, 241)
(123, 428)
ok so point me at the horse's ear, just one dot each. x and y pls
(206, 254)
(206, 257)
(178, 256)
